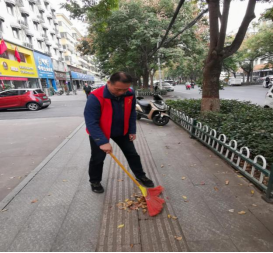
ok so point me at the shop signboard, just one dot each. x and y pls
(60, 75)
(80, 76)
(14, 69)
(44, 66)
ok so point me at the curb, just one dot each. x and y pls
(33, 173)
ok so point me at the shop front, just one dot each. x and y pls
(60, 78)
(14, 74)
(45, 71)
(79, 79)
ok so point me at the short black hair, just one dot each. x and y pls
(121, 77)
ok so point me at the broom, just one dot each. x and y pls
(154, 203)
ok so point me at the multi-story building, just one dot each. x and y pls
(32, 27)
(82, 68)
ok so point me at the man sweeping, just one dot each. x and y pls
(110, 113)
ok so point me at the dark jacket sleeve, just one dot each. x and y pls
(92, 113)
(132, 120)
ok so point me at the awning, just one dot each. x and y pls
(12, 2)
(24, 11)
(36, 20)
(2, 18)
(29, 33)
(41, 9)
(11, 78)
(15, 26)
(48, 43)
(45, 27)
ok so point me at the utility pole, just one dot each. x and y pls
(159, 69)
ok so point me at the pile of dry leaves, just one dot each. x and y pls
(138, 202)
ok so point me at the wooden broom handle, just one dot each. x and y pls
(126, 171)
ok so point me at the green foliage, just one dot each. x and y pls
(250, 125)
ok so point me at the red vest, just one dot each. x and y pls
(107, 112)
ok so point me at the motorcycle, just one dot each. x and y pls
(155, 110)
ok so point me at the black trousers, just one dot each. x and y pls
(98, 157)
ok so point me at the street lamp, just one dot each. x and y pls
(159, 69)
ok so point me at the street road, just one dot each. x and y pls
(27, 138)
(254, 93)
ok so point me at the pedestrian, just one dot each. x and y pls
(156, 87)
(87, 89)
(110, 113)
(267, 81)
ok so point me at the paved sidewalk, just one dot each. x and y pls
(53, 209)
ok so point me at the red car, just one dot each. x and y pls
(32, 99)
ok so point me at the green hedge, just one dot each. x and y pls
(250, 125)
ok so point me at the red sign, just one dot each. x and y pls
(13, 78)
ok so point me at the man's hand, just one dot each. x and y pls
(132, 137)
(107, 148)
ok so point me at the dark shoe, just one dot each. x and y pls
(97, 187)
(146, 181)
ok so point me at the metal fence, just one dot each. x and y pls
(140, 93)
(253, 168)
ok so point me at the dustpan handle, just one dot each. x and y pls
(126, 171)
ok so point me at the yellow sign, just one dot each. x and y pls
(11, 67)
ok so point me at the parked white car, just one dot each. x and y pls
(235, 81)
(271, 81)
(269, 99)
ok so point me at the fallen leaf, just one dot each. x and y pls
(126, 200)
(186, 201)
(64, 180)
(178, 143)
(184, 197)
(164, 174)
(239, 176)
(254, 205)
(202, 183)
(121, 226)
(162, 165)
(174, 218)
(169, 216)
(227, 182)
(120, 180)
(252, 192)
(242, 212)
(131, 245)
(240, 184)
(231, 210)
(183, 178)
(4, 210)
(34, 201)
(215, 188)
(178, 238)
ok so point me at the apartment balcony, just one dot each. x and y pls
(57, 31)
(47, 1)
(28, 45)
(45, 36)
(61, 59)
(48, 53)
(39, 2)
(41, 19)
(19, 3)
(23, 23)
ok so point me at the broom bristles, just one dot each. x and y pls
(154, 203)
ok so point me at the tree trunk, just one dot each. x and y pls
(146, 78)
(152, 81)
(210, 93)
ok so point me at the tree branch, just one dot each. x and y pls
(189, 25)
(181, 2)
(224, 21)
(213, 21)
(249, 16)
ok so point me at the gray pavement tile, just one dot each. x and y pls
(33, 241)
(264, 214)
(232, 179)
(212, 246)
(120, 248)
(159, 236)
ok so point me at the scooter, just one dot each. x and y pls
(155, 110)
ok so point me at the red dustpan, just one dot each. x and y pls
(154, 203)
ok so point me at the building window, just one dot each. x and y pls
(22, 57)
(5, 55)
(29, 39)
(24, 17)
(52, 36)
(46, 5)
(36, 27)
(48, 48)
(1, 25)
(49, 20)
(40, 44)
(15, 33)
(60, 23)
(32, 6)
(55, 51)
(10, 9)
